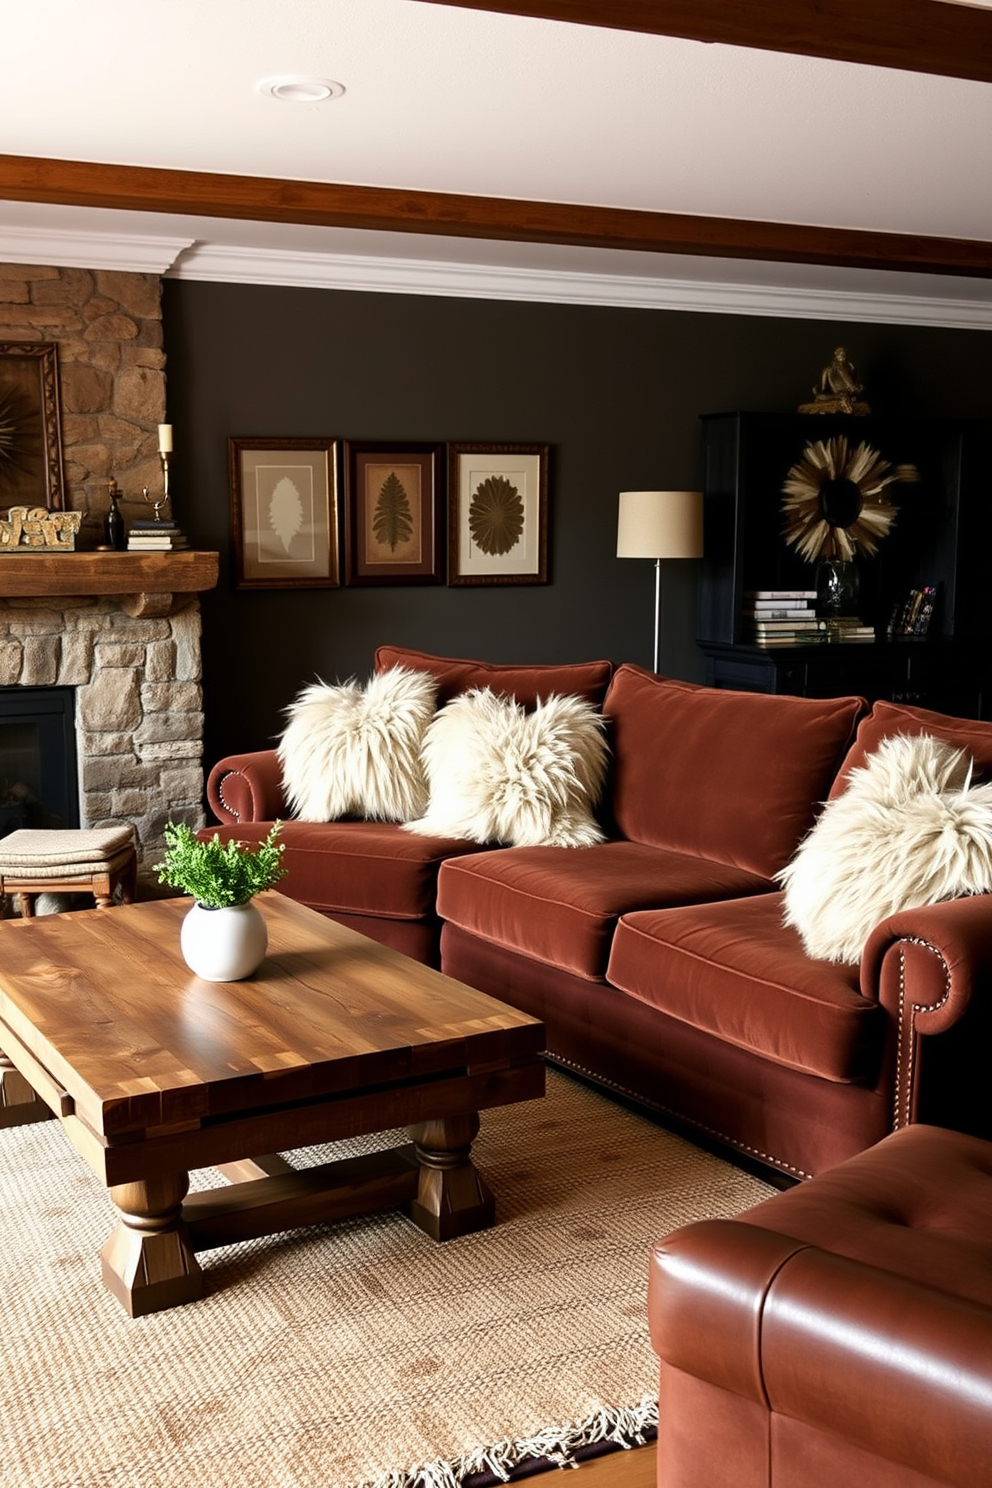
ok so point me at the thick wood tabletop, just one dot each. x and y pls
(135, 1045)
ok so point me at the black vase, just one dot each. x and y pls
(114, 526)
(838, 585)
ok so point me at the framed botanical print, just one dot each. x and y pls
(498, 514)
(285, 513)
(394, 516)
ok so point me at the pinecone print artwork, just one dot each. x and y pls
(392, 521)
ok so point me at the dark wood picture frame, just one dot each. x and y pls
(394, 513)
(285, 512)
(30, 426)
(497, 514)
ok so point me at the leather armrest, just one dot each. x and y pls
(897, 1367)
(247, 787)
(894, 1366)
(706, 1292)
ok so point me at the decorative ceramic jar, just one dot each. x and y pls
(224, 945)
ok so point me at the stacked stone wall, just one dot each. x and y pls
(139, 719)
(108, 329)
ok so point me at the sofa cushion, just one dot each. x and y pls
(732, 776)
(585, 679)
(498, 773)
(735, 970)
(561, 906)
(886, 719)
(909, 830)
(371, 868)
(353, 750)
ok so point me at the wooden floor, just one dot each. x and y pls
(633, 1469)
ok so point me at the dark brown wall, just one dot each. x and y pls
(616, 393)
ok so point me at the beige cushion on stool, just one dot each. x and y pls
(94, 859)
(58, 849)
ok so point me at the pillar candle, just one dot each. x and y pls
(165, 439)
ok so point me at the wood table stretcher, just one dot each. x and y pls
(154, 1072)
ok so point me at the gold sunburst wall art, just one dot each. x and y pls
(8, 428)
(836, 500)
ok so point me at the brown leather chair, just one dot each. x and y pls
(838, 1333)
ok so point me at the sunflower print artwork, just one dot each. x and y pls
(496, 516)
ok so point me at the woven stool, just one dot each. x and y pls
(98, 861)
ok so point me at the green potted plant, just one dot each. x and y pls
(223, 937)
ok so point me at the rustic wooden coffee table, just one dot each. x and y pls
(154, 1072)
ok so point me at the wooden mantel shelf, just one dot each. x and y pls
(149, 583)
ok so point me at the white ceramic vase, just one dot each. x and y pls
(224, 945)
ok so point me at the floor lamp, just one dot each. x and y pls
(660, 524)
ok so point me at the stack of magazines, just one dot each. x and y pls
(155, 537)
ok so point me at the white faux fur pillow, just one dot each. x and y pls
(500, 774)
(355, 751)
(909, 830)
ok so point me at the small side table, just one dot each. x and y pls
(98, 860)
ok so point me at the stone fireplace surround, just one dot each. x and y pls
(139, 718)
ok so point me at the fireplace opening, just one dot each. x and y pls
(39, 784)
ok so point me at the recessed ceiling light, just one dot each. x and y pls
(293, 88)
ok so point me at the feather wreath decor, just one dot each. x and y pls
(836, 500)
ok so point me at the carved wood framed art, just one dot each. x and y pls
(498, 514)
(284, 513)
(30, 426)
(394, 513)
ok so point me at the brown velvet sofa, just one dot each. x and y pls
(837, 1333)
(659, 960)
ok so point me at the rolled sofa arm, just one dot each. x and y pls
(925, 967)
(247, 788)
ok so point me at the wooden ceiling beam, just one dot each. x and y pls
(950, 40)
(323, 204)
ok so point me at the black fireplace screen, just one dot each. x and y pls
(38, 777)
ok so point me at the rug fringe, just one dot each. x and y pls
(623, 1426)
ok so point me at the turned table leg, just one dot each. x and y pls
(148, 1262)
(19, 1104)
(452, 1198)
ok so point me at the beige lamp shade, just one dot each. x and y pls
(660, 524)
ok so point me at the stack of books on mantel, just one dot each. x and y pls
(155, 537)
(782, 617)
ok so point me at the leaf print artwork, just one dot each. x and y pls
(285, 512)
(392, 521)
(496, 515)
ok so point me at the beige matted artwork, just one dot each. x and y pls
(284, 513)
(393, 514)
(498, 514)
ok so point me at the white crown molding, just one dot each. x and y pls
(126, 252)
(718, 286)
(239, 265)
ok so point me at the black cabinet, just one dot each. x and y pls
(941, 536)
(948, 676)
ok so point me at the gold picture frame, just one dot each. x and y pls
(284, 512)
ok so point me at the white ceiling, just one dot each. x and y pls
(449, 100)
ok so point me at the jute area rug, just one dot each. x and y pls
(358, 1353)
